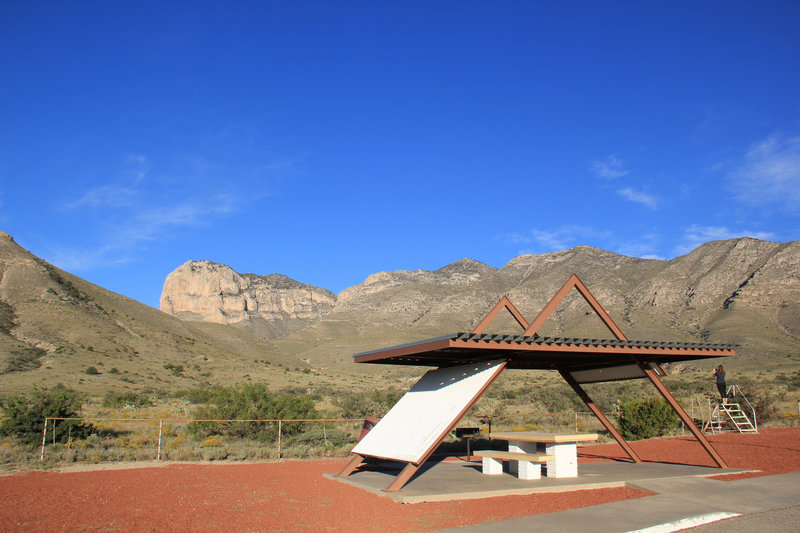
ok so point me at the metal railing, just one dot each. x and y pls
(161, 422)
(577, 421)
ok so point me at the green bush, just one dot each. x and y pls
(644, 419)
(373, 403)
(24, 414)
(25, 359)
(123, 399)
(763, 401)
(177, 370)
(251, 402)
(91, 371)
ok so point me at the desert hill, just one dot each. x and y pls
(743, 291)
(55, 326)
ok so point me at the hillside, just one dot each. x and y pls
(54, 326)
(234, 328)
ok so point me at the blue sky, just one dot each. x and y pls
(330, 140)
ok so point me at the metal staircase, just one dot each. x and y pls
(730, 412)
(723, 416)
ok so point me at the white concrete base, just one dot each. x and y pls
(528, 469)
(492, 466)
(565, 463)
(520, 447)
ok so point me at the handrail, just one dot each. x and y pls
(732, 390)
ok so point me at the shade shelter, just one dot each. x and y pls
(465, 365)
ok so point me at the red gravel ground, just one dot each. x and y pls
(293, 495)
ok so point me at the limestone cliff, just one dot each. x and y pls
(271, 305)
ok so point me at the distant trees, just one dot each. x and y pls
(249, 402)
(24, 414)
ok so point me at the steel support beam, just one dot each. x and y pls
(600, 416)
(351, 466)
(687, 420)
(504, 303)
(575, 282)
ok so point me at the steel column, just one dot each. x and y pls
(600, 416)
(687, 421)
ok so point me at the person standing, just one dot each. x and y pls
(722, 386)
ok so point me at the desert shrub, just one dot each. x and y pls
(24, 415)
(91, 371)
(211, 442)
(792, 381)
(251, 402)
(7, 317)
(203, 394)
(25, 359)
(372, 403)
(763, 401)
(645, 418)
(334, 438)
(177, 370)
(214, 454)
(123, 399)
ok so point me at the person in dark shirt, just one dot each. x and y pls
(722, 387)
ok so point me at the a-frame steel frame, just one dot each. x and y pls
(650, 371)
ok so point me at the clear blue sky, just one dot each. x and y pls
(330, 140)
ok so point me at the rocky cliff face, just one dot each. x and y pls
(270, 305)
(724, 291)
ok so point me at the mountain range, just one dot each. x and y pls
(220, 326)
(741, 291)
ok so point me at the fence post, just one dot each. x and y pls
(279, 439)
(44, 439)
(160, 427)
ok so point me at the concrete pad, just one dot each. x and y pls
(683, 502)
(458, 480)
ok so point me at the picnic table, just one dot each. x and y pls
(562, 447)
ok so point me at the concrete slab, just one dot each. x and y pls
(458, 480)
(683, 502)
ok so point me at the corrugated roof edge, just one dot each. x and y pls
(556, 340)
(425, 341)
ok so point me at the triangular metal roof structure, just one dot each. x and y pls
(578, 361)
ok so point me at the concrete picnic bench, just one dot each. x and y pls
(527, 450)
(528, 465)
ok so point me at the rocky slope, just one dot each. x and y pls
(270, 306)
(54, 326)
(745, 291)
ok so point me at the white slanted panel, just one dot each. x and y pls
(427, 411)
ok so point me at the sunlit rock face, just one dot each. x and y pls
(211, 292)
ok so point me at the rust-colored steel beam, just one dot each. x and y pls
(504, 303)
(351, 466)
(687, 420)
(575, 282)
(600, 416)
(411, 468)
(404, 476)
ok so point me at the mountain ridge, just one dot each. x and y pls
(710, 293)
(54, 325)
